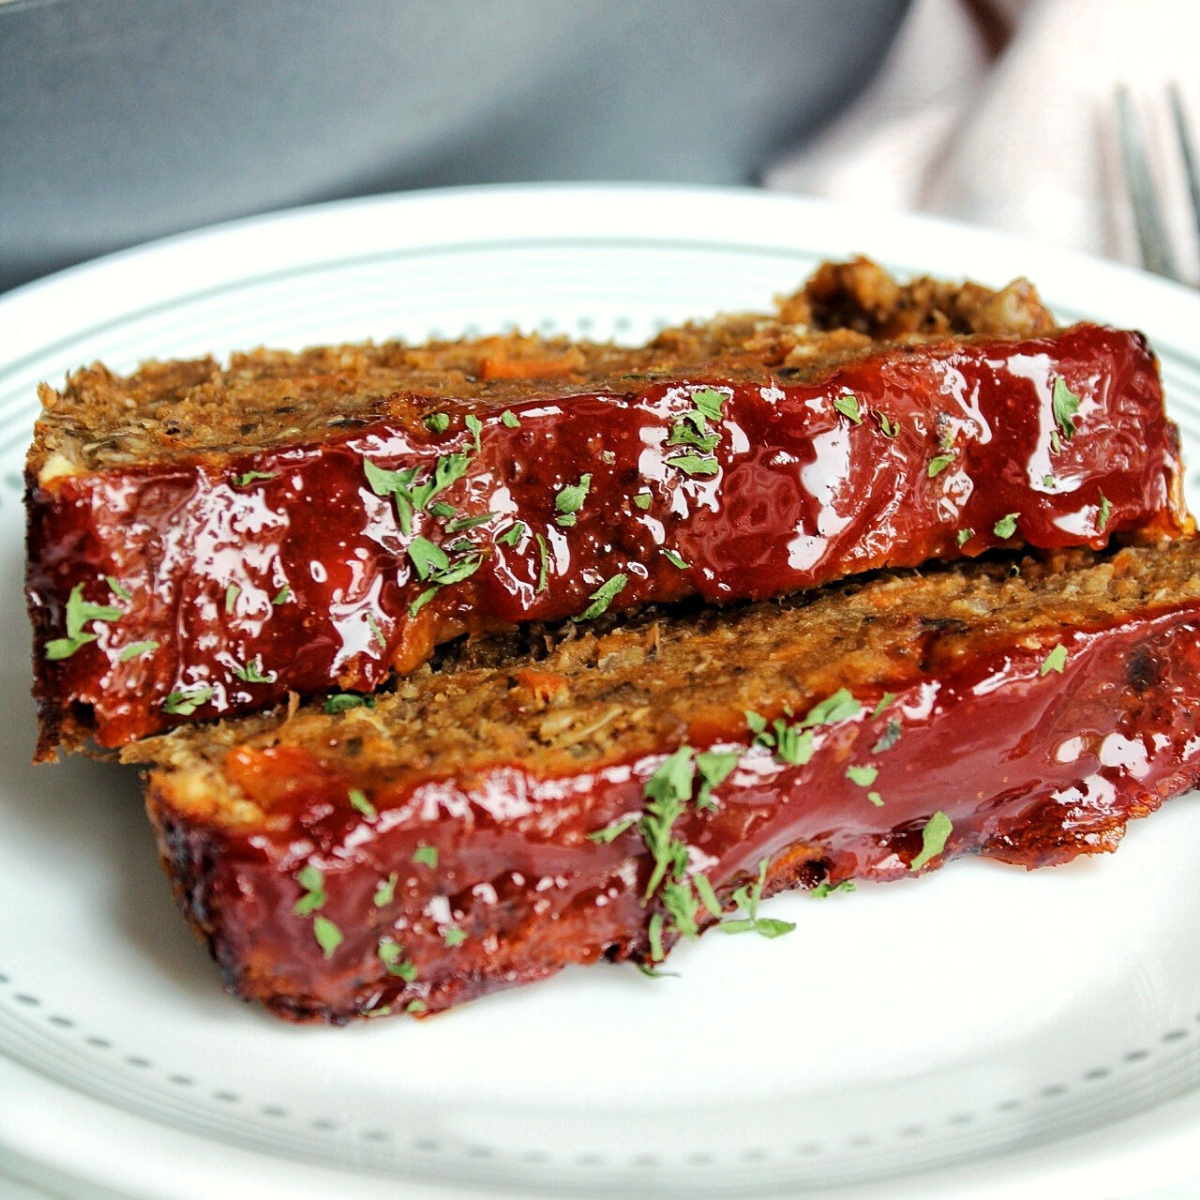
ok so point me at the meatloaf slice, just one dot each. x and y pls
(205, 540)
(598, 791)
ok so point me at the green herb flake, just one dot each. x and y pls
(426, 557)
(675, 560)
(847, 404)
(747, 898)
(1056, 660)
(603, 596)
(440, 508)
(358, 799)
(694, 464)
(570, 498)
(709, 402)
(1006, 526)
(461, 523)
(1055, 441)
(512, 535)
(933, 839)
(437, 422)
(757, 724)
(329, 936)
(964, 536)
(667, 791)
(385, 891)
(1064, 404)
(654, 934)
(884, 701)
(543, 562)
(426, 855)
(891, 735)
(396, 484)
(713, 767)
(888, 427)
(938, 465)
(509, 419)
(822, 890)
(283, 597)
(250, 476)
(643, 500)
(313, 883)
(1048, 481)
(863, 775)
(118, 588)
(875, 798)
(232, 592)
(841, 706)
(416, 1007)
(252, 672)
(453, 937)
(344, 701)
(376, 632)
(681, 906)
(137, 650)
(185, 702)
(610, 833)
(80, 612)
(475, 425)
(708, 897)
(792, 745)
(391, 954)
(1103, 513)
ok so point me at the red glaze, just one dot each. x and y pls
(1031, 767)
(803, 494)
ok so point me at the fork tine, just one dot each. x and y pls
(1147, 215)
(1187, 148)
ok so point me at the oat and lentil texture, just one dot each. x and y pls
(204, 540)
(596, 792)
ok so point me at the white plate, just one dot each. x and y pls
(984, 1031)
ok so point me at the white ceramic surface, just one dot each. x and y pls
(983, 1031)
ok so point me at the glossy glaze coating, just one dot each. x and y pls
(492, 881)
(286, 571)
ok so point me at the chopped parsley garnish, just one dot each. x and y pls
(667, 792)
(747, 899)
(440, 508)
(694, 464)
(252, 672)
(792, 745)
(137, 650)
(863, 775)
(313, 883)
(841, 706)
(875, 798)
(513, 534)
(329, 936)
(434, 566)
(889, 427)
(475, 425)
(427, 557)
(1064, 404)
(830, 889)
(642, 500)
(603, 596)
(654, 933)
(79, 611)
(385, 890)
(461, 523)
(343, 701)
(396, 484)
(543, 561)
(933, 839)
(284, 595)
(454, 937)
(884, 701)
(415, 1007)
(426, 855)
(185, 702)
(1048, 481)
(708, 897)
(709, 403)
(251, 476)
(891, 735)
(510, 419)
(1006, 526)
(681, 906)
(376, 632)
(232, 592)
(391, 954)
(938, 465)
(359, 801)
(847, 404)
(964, 536)
(118, 588)
(692, 430)
(570, 500)
(713, 767)
(675, 560)
(437, 422)
(610, 833)
(1102, 515)
(1056, 660)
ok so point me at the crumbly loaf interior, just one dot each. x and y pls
(575, 697)
(267, 397)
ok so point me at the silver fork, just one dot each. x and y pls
(1144, 198)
